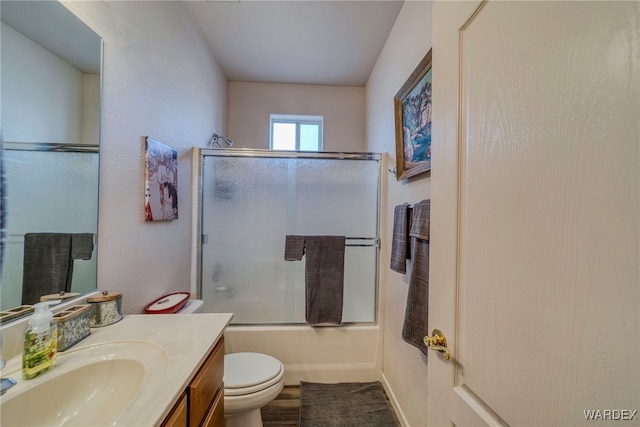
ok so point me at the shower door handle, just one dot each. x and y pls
(438, 342)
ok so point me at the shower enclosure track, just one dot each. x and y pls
(255, 152)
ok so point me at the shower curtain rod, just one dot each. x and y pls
(376, 242)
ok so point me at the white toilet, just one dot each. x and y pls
(251, 381)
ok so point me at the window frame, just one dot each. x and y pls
(297, 120)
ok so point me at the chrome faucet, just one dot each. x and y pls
(6, 384)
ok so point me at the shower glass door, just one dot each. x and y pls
(252, 199)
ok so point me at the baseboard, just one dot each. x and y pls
(394, 401)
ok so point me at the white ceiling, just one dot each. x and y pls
(296, 41)
(52, 26)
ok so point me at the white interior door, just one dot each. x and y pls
(536, 213)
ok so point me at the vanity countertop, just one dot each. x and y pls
(186, 340)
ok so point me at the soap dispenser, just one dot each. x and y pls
(40, 341)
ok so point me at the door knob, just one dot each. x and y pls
(437, 341)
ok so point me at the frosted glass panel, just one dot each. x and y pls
(244, 213)
(250, 204)
(334, 197)
(48, 207)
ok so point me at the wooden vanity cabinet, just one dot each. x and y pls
(202, 403)
(178, 417)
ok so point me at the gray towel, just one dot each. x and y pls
(47, 265)
(399, 245)
(81, 245)
(417, 311)
(293, 248)
(324, 279)
(420, 220)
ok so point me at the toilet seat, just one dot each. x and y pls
(246, 373)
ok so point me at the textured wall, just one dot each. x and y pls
(35, 84)
(404, 366)
(159, 79)
(343, 108)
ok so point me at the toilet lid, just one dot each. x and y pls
(246, 373)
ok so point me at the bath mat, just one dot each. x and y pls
(345, 405)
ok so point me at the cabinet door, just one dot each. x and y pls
(205, 384)
(215, 416)
(178, 415)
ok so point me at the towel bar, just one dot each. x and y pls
(376, 242)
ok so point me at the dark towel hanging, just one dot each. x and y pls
(417, 311)
(81, 246)
(324, 279)
(47, 265)
(399, 243)
(293, 248)
(48, 262)
(324, 275)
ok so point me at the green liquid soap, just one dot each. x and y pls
(40, 343)
(40, 353)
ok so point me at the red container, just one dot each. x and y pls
(168, 304)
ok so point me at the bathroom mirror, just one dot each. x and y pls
(50, 97)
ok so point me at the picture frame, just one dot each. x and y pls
(160, 181)
(412, 110)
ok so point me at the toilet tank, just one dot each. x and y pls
(192, 306)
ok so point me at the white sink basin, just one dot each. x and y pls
(89, 386)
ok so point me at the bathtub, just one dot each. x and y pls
(323, 354)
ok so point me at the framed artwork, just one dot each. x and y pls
(412, 108)
(160, 181)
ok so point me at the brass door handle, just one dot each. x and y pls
(437, 341)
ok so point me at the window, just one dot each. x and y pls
(295, 133)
